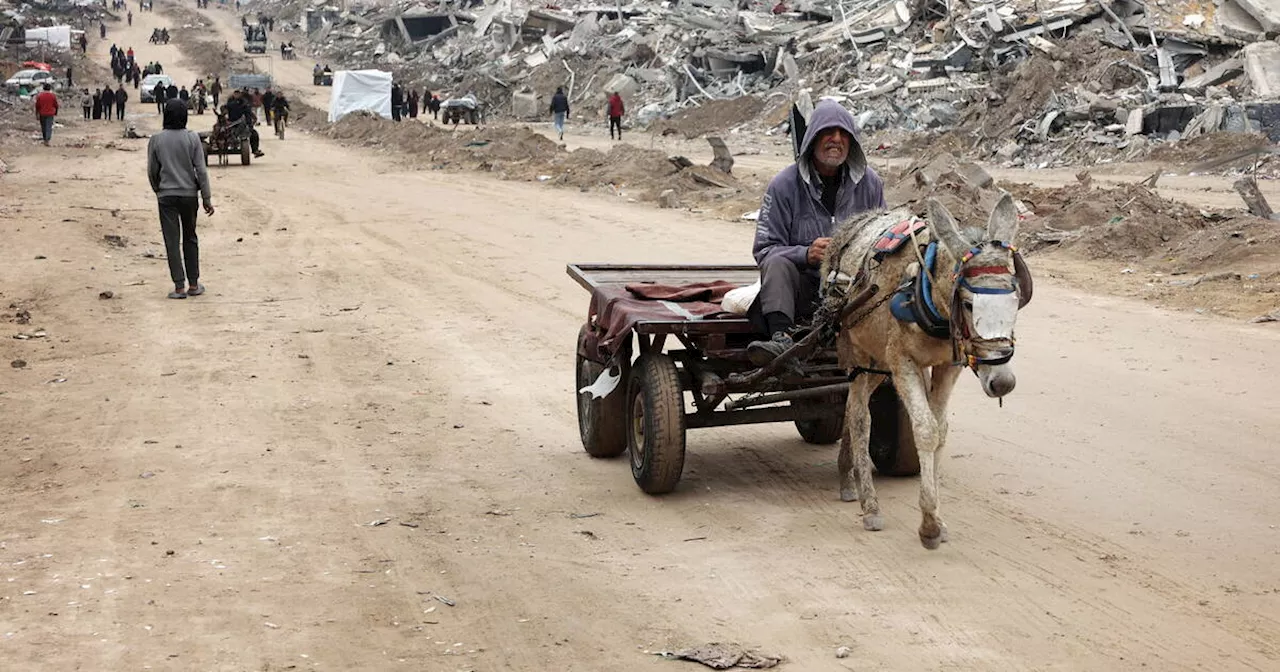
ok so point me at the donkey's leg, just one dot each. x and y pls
(943, 383)
(913, 391)
(855, 457)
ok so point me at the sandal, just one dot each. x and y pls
(177, 295)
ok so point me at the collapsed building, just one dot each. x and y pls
(1125, 69)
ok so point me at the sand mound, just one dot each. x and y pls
(713, 117)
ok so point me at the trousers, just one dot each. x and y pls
(181, 246)
(784, 288)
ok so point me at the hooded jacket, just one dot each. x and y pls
(792, 215)
(175, 157)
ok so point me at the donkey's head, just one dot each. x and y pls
(985, 291)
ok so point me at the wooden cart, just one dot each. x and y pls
(706, 380)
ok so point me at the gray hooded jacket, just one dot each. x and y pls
(792, 215)
(175, 157)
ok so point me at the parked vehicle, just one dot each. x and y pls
(32, 79)
(147, 88)
(465, 109)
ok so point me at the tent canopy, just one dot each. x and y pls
(355, 90)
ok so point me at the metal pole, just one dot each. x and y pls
(763, 399)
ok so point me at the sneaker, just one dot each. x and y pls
(762, 352)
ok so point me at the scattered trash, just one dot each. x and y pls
(723, 657)
(843, 652)
(18, 363)
(379, 522)
(108, 294)
(446, 601)
(583, 515)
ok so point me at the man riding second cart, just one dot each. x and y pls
(827, 184)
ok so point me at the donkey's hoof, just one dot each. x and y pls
(945, 536)
(932, 543)
(848, 495)
(873, 522)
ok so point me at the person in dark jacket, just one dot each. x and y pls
(108, 103)
(97, 104)
(559, 110)
(397, 101)
(804, 203)
(160, 93)
(122, 96)
(175, 168)
(170, 93)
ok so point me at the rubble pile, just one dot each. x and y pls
(1128, 223)
(519, 153)
(1032, 82)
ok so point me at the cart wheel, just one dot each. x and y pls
(602, 423)
(244, 153)
(821, 431)
(892, 447)
(656, 433)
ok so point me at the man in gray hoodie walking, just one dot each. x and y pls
(175, 166)
(804, 203)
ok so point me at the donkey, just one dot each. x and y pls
(977, 285)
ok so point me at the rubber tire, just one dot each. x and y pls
(655, 432)
(892, 453)
(602, 423)
(820, 432)
(244, 153)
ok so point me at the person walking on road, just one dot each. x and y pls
(559, 110)
(616, 110)
(46, 110)
(108, 102)
(216, 91)
(121, 97)
(86, 102)
(175, 168)
(159, 93)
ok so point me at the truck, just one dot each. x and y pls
(255, 39)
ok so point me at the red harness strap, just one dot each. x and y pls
(975, 271)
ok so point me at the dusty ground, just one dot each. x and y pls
(190, 485)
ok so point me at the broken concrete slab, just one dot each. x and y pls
(1215, 76)
(1238, 24)
(1267, 13)
(723, 160)
(526, 105)
(1262, 65)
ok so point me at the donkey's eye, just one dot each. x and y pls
(968, 305)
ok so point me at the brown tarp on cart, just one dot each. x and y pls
(615, 310)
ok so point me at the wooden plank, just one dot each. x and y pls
(591, 276)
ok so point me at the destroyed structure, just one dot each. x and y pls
(1124, 70)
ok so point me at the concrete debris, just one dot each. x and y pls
(1028, 82)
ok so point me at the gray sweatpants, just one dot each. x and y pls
(786, 288)
(181, 246)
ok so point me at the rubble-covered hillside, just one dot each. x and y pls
(1030, 81)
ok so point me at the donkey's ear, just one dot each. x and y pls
(944, 229)
(1003, 225)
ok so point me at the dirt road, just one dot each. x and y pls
(191, 484)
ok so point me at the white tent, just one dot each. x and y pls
(58, 37)
(355, 90)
